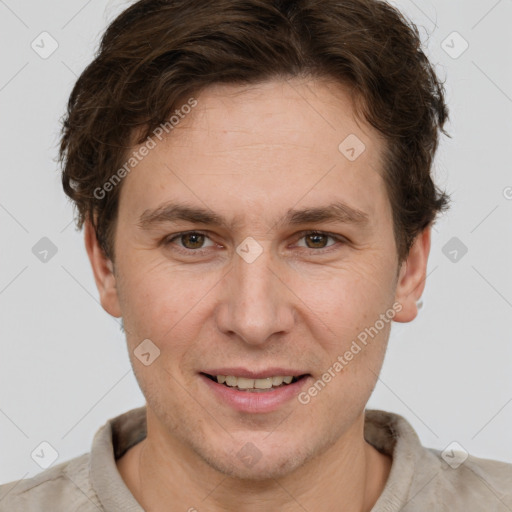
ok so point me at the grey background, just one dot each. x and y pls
(64, 368)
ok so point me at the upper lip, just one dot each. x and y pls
(252, 374)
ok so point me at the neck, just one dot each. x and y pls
(160, 471)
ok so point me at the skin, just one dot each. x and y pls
(251, 153)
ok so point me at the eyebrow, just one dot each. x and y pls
(172, 212)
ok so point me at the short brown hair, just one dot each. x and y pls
(159, 51)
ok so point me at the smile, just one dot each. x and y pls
(254, 385)
(254, 395)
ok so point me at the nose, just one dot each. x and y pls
(256, 302)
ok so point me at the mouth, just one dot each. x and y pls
(254, 391)
(256, 385)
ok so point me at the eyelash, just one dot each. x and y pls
(168, 241)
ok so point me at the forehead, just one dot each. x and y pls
(282, 111)
(278, 142)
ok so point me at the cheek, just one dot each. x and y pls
(344, 315)
(146, 295)
(164, 303)
(347, 296)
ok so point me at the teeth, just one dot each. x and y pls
(263, 383)
(277, 381)
(243, 383)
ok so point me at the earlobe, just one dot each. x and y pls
(103, 271)
(412, 277)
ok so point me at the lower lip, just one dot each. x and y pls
(255, 402)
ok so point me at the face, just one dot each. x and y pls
(292, 259)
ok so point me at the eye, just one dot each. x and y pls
(192, 241)
(317, 239)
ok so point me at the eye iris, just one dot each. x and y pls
(196, 245)
(317, 236)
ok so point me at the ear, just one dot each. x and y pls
(103, 271)
(412, 277)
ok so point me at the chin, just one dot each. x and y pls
(260, 457)
(264, 467)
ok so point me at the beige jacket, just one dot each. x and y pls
(421, 479)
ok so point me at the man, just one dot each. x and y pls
(254, 181)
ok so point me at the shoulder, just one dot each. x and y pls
(473, 483)
(423, 478)
(63, 487)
